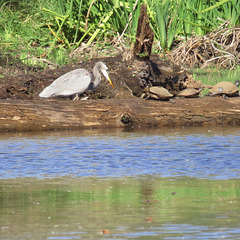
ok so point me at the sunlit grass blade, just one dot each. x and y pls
(78, 22)
(101, 27)
(57, 34)
(161, 26)
(215, 5)
(198, 25)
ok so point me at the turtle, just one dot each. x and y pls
(158, 93)
(189, 93)
(237, 83)
(225, 89)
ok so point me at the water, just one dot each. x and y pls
(209, 154)
(148, 184)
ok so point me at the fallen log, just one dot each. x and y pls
(32, 115)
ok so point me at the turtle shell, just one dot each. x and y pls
(189, 93)
(161, 92)
(227, 88)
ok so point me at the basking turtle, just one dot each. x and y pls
(237, 83)
(158, 93)
(189, 93)
(224, 89)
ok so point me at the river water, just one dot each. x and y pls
(181, 183)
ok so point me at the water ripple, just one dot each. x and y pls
(200, 155)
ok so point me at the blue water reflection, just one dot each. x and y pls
(203, 154)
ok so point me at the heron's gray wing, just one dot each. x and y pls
(76, 81)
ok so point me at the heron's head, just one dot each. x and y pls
(104, 69)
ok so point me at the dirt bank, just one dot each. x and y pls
(129, 78)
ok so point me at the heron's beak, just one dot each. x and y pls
(107, 77)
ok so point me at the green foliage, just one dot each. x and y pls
(68, 23)
(182, 18)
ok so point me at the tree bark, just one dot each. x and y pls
(144, 35)
(25, 115)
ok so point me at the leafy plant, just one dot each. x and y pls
(56, 24)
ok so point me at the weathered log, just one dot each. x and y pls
(30, 115)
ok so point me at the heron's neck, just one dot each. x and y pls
(97, 78)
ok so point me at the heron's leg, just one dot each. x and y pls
(76, 97)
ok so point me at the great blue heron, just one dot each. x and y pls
(76, 82)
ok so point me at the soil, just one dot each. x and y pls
(129, 78)
(22, 109)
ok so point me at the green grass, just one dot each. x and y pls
(212, 76)
(56, 28)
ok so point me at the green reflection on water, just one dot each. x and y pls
(52, 208)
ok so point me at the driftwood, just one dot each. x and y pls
(30, 115)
